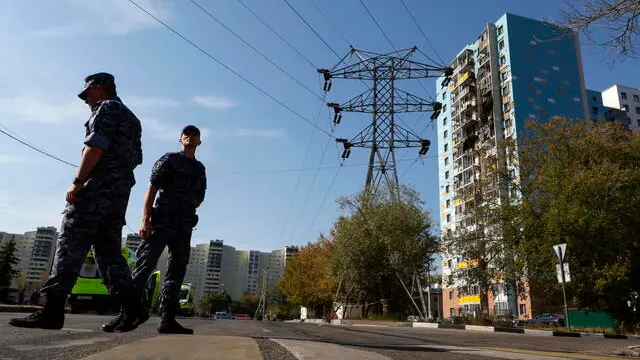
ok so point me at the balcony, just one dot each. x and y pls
(466, 77)
(468, 106)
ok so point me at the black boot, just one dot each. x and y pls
(111, 325)
(50, 317)
(134, 313)
(169, 325)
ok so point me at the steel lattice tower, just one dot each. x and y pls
(383, 100)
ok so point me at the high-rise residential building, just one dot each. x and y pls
(599, 112)
(132, 241)
(197, 269)
(213, 271)
(42, 252)
(289, 252)
(517, 69)
(235, 267)
(627, 99)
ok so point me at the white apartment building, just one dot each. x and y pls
(627, 99)
(42, 252)
(132, 241)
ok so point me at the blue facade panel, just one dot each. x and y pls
(544, 64)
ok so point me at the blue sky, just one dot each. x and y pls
(251, 145)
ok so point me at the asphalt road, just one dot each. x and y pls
(242, 339)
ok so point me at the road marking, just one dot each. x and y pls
(313, 350)
(170, 347)
(558, 354)
(77, 330)
(266, 330)
(58, 344)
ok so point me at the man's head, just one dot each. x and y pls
(98, 87)
(190, 137)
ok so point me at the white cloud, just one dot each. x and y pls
(11, 159)
(214, 101)
(266, 133)
(109, 17)
(29, 109)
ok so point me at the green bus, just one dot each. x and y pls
(90, 293)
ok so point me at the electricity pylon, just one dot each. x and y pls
(384, 99)
(262, 304)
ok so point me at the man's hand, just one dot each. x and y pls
(73, 192)
(145, 228)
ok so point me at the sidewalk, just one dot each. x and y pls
(22, 308)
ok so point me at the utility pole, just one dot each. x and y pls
(383, 100)
(262, 306)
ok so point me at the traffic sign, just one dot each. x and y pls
(560, 251)
(567, 277)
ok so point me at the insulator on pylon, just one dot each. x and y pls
(327, 86)
(337, 115)
(327, 79)
(448, 72)
(424, 147)
(346, 153)
(347, 147)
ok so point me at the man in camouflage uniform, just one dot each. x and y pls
(96, 206)
(180, 181)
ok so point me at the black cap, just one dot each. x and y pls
(102, 78)
(190, 129)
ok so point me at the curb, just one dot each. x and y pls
(531, 332)
(23, 309)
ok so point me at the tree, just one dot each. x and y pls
(248, 304)
(214, 302)
(278, 305)
(8, 262)
(308, 280)
(616, 21)
(581, 187)
(576, 183)
(382, 238)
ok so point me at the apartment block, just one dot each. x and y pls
(626, 99)
(518, 69)
(42, 252)
(132, 241)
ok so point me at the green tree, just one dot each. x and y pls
(308, 280)
(382, 237)
(278, 305)
(8, 262)
(248, 304)
(213, 302)
(581, 187)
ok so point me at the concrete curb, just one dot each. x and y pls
(23, 309)
(530, 332)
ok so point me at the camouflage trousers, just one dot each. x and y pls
(96, 219)
(169, 232)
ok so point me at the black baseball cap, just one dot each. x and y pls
(191, 129)
(102, 78)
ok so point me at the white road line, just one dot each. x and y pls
(266, 330)
(313, 350)
(77, 330)
(58, 344)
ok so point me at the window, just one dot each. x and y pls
(626, 107)
(444, 122)
(636, 98)
(448, 217)
(446, 161)
(637, 110)
(448, 203)
(444, 94)
(444, 108)
(500, 29)
(623, 95)
(503, 60)
(523, 309)
(446, 134)
(447, 189)
(451, 297)
(595, 110)
(446, 174)
(501, 44)
(595, 99)
(449, 266)
(446, 147)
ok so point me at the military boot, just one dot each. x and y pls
(50, 317)
(169, 325)
(134, 313)
(111, 325)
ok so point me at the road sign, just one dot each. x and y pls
(567, 277)
(560, 251)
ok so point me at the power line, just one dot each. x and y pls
(278, 34)
(206, 53)
(33, 147)
(313, 182)
(312, 29)
(304, 161)
(34, 195)
(335, 28)
(423, 34)
(377, 24)
(256, 50)
(324, 198)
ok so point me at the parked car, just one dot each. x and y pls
(220, 315)
(548, 319)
